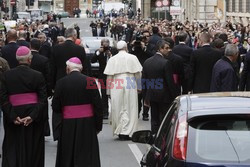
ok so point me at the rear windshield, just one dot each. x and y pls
(219, 140)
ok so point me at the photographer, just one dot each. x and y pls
(102, 56)
(139, 47)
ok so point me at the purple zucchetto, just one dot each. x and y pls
(23, 51)
(74, 62)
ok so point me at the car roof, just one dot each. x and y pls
(94, 43)
(97, 38)
(22, 13)
(215, 103)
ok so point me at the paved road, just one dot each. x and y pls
(114, 153)
(82, 23)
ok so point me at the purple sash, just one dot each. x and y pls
(23, 99)
(78, 111)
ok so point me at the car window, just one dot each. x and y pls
(219, 140)
(162, 135)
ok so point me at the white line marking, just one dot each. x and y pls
(136, 151)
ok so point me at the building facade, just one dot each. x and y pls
(83, 5)
(203, 10)
(238, 11)
(214, 10)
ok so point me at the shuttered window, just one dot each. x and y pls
(248, 6)
(233, 5)
(227, 5)
(240, 6)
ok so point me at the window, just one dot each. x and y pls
(164, 129)
(220, 140)
(248, 6)
(240, 6)
(233, 5)
(227, 5)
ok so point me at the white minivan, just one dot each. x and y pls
(23, 16)
(36, 14)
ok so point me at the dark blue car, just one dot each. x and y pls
(201, 130)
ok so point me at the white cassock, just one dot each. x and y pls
(123, 69)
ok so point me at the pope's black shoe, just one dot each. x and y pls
(124, 137)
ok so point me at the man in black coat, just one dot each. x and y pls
(22, 97)
(224, 77)
(202, 63)
(80, 112)
(22, 36)
(162, 92)
(41, 63)
(45, 48)
(140, 49)
(185, 52)
(245, 75)
(77, 28)
(154, 39)
(102, 55)
(93, 27)
(62, 52)
(9, 50)
(178, 68)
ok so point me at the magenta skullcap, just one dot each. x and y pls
(23, 51)
(74, 62)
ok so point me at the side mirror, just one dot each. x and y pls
(144, 136)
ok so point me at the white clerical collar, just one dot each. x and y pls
(182, 43)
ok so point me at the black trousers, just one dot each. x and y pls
(158, 111)
(105, 104)
(140, 104)
(46, 120)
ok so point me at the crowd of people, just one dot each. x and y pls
(154, 62)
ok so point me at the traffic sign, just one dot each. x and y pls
(158, 3)
(177, 3)
(12, 2)
(166, 2)
(165, 8)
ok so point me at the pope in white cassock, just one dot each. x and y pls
(123, 70)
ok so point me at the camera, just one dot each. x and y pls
(106, 49)
(139, 38)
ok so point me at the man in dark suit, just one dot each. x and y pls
(185, 52)
(62, 52)
(202, 63)
(9, 50)
(77, 28)
(224, 76)
(45, 48)
(160, 95)
(102, 55)
(22, 39)
(41, 63)
(154, 39)
(140, 49)
(178, 68)
(245, 75)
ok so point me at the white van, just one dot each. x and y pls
(36, 14)
(23, 16)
